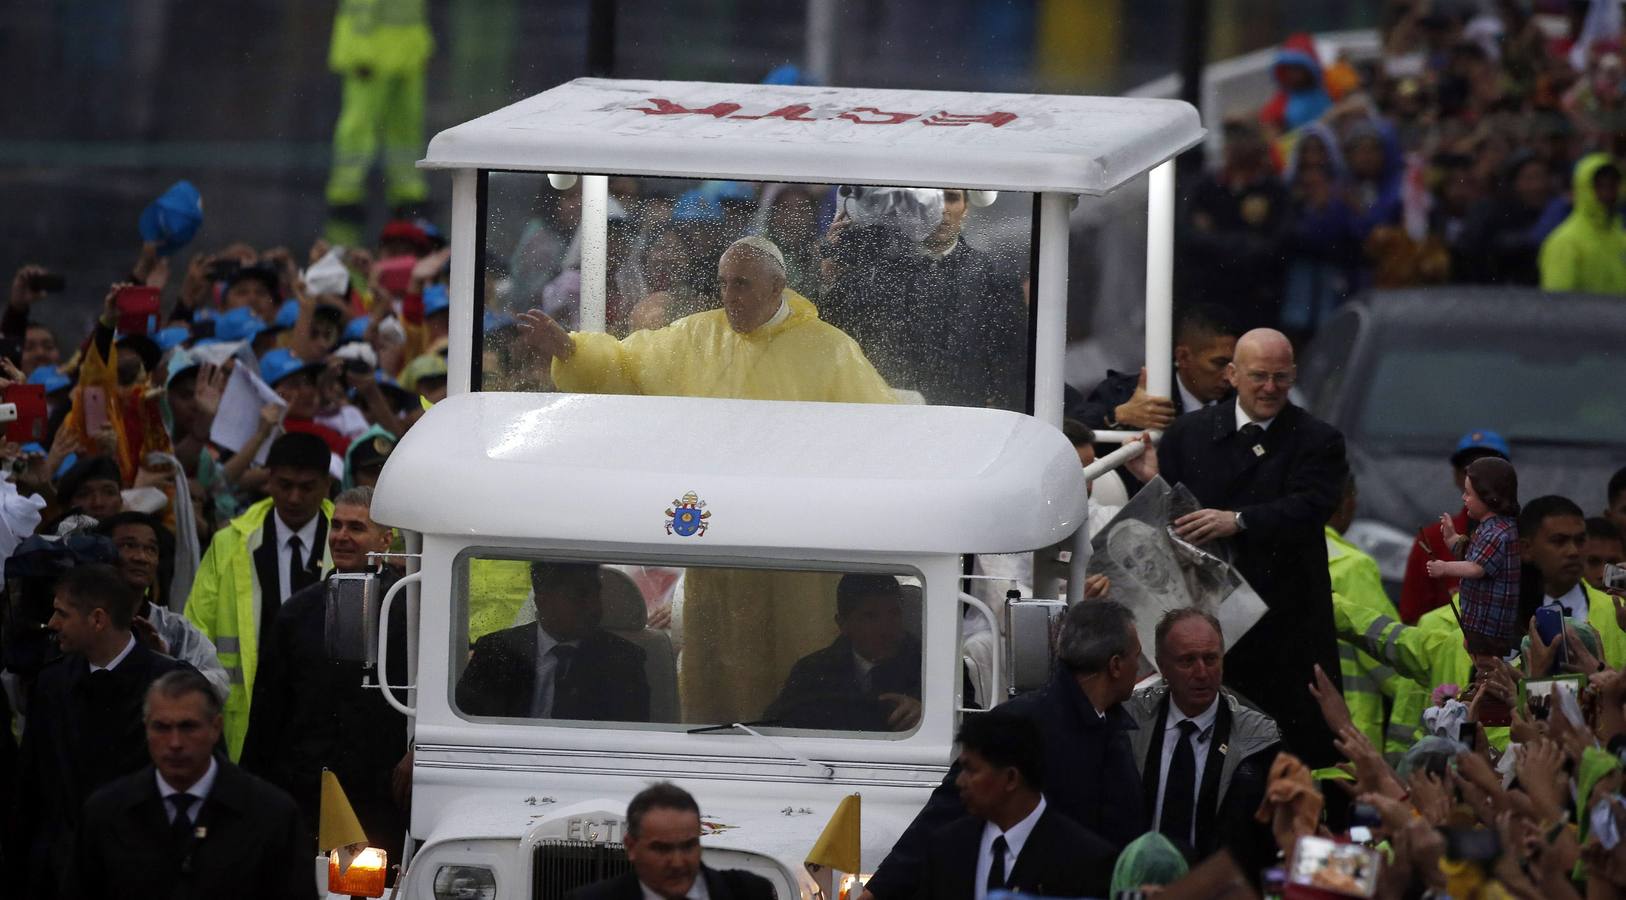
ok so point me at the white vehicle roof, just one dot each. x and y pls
(606, 470)
(830, 135)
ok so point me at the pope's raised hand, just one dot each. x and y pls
(543, 334)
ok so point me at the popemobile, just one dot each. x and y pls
(739, 516)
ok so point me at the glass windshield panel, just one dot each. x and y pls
(673, 648)
(1525, 385)
(889, 294)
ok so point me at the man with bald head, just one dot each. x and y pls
(1268, 475)
(765, 343)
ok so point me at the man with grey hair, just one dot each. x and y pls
(310, 711)
(1090, 771)
(1204, 754)
(765, 343)
(191, 823)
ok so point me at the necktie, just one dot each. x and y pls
(1180, 791)
(1251, 432)
(295, 564)
(180, 829)
(996, 872)
(564, 654)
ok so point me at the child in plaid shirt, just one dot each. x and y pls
(1490, 568)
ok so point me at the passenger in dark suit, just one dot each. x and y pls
(1269, 475)
(663, 845)
(1204, 341)
(868, 679)
(1010, 838)
(1092, 777)
(190, 824)
(84, 719)
(563, 667)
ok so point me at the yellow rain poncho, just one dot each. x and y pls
(801, 358)
(742, 629)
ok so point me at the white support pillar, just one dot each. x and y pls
(821, 40)
(465, 229)
(1050, 309)
(1160, 281)
(595, 224)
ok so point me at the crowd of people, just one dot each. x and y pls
(1479, 147)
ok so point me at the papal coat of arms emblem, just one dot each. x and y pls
(687, 517)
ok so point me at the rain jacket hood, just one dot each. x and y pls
(1587, 253)
(1585, 198)
(1291, 109)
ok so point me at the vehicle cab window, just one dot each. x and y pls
(582, 643)
(762, 291)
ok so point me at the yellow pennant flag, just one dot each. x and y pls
(339, 826)
(838, 847)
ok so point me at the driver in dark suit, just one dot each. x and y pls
(868, 678)
(563, 667)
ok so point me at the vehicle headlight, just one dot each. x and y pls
(1388, 545)
(465, 883)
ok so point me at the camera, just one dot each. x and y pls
(1614, 576)
(887, 222)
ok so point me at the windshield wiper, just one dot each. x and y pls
(823, 770)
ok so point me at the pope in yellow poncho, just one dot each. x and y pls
(742, 629)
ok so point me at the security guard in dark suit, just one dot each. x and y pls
(191, 824)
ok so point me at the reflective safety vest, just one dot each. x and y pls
(225, 605)
(391, 37)
(1369, 685)
(1428, 654)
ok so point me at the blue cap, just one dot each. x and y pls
(725, 191)
(35, 448)
(355, 330)
(496, 321)
(171, 337)
(694, 206)
(173, 219)
(63, 469)
(788, 73)
(1483, 440)
(238, 324)
(280, 363)
(51, 377)
(436, 299)
(287, 314)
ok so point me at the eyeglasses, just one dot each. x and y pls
(1260, 379)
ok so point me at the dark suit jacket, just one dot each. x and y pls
(311, 712)
(1090, 773)
(252, 845)
(605, 681)
(721, 884)
(822, 690)
(1060, 859)
(1285, 497)
(82, 732)
(1228, 823)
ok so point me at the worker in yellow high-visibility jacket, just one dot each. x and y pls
(380, 49)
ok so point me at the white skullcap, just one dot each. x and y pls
(763, 246)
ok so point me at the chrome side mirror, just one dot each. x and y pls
(1031, 630)
(351, 628)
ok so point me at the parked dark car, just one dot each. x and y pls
(1404, 374)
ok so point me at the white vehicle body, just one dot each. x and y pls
(820, 486)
